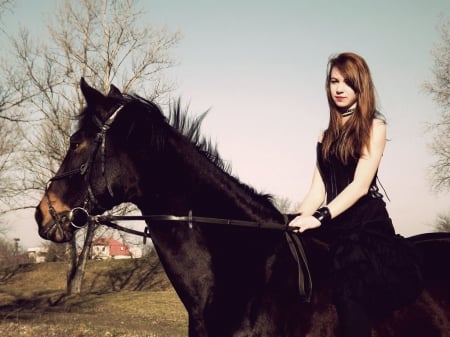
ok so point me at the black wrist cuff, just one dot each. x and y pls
(322, 214)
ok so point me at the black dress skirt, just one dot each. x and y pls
(371, 264)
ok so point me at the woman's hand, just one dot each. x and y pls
(303, 223)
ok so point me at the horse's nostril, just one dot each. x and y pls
(38, 215)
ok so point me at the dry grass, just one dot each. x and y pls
(121, 298)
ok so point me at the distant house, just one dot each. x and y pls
(104, 249)
(37, 254)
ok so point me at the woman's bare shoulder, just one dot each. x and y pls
(379, 118)
(322, 132)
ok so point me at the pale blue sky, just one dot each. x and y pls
(260, 66)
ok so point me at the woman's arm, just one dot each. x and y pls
(315, 196)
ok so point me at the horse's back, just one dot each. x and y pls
(432, 308)
(435, 251)
(429, 315)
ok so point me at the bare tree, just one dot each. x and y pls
(104, 41)
(443, 223)
(8, 145)
(284, 205)
(6, 250)
(439, 88)
(8, 128)
(5, 6)
(55, 252)
(11, 253)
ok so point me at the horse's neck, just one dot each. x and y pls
(206, 189)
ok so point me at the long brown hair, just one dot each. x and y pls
(348, 140)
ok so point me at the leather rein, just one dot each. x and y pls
(294, 242)
(79, 217)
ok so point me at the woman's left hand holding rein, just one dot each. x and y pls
(303, 223)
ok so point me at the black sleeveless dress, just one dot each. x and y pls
(370, 263)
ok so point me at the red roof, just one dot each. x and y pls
(115, 247)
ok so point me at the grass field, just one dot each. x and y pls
(126, 298)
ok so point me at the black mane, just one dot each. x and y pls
(190, 127)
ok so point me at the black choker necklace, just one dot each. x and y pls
(348, 112)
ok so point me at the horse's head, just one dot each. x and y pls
(98, 171)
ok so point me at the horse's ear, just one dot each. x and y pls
(114, 92)
(92, 96)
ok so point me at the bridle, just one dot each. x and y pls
(76, 214)
(79, 217)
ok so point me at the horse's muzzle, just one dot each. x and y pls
(56, 231)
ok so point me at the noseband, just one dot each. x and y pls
(85, 171)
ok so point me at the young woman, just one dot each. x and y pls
(373, 270)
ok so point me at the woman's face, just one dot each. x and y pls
(343, 95)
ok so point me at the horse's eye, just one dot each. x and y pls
(74, 145)
(75, 141)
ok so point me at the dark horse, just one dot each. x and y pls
(233, 280)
